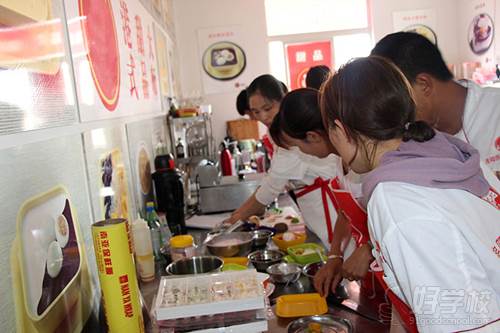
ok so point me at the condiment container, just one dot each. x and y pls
(182, 246)
(143, 250)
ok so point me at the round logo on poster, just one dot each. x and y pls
(99, 31)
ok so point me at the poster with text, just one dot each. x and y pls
(302, 56)
(163, 66)
(36, 90)
(114, 58)
(421, 21)
(222, 59)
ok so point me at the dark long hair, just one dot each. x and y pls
(299, 113)
(268, 86)
(371, 97)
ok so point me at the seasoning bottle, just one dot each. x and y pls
(182, 246)
(164, 229)
(179, 149)
(143, 250)
(154, 227)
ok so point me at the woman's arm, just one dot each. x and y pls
(251, 207)
(330, 274)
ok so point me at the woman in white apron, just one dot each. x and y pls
(433, 218)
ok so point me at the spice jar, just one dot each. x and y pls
(181, 247)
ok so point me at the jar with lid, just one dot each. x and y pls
(182, 246)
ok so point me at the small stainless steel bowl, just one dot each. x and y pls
(231, 244)
(262, 259)
(327, 323)
(195, 265)
(260, 237)
(284, 272)
(311, 269)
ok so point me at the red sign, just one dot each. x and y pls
(303, 56)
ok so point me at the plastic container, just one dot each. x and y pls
(306, 253)
(154, 227)
(284, 245)
(181, 247)
(300, 305)
(143, 250)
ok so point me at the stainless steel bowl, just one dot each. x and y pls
(328, 324)
(231, 244)
(284, 272)
(262, 259)
(261, 237)
(195, 265)
(310, 271)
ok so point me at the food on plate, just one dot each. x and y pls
(304, 252)
(254, 219)
(288, 236)
(54, 259)
(62, 230)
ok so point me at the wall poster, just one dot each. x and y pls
(222, 59)
(421, 21)
(36, 90)
(116, 72)
(302, 56)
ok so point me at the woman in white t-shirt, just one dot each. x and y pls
(434, 220)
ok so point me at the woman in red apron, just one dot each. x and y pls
(322, 192)
(433, 216)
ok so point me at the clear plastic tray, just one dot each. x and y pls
(196, 295)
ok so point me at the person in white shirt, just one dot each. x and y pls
(463, 108)
(264, 98)
(306, 161)
(433, 218)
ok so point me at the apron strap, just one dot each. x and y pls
(326, 193)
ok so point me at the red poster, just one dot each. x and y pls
(303, 56)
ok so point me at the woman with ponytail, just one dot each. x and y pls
(433, 218)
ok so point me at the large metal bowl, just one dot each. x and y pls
(231, 244)
(327, 324)
(195, 265)
(262, 259)
(261, 237)
(284, 272)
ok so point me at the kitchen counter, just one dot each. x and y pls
(360, 319)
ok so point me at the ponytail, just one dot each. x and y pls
(418, 131)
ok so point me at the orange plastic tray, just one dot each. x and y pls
(300, 305)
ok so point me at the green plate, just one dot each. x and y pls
(294, 252)
(233, 267)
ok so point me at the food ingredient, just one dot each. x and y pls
(288, 236)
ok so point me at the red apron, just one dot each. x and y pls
(372, 285)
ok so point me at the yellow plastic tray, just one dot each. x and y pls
(235, 260)
(284, 245)
(300, 305)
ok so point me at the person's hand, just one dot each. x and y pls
(328, 277)
(232, 219)
(356, 266)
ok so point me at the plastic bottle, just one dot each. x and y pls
(154, 227)
(225, 161)
(164, 229)
(179, 149)
(143, 250)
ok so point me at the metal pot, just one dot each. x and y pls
(195, 265)
(262, 259)
(230, 245)
(310, 271)
(261, 237)
(328, 323)
(284, 272)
